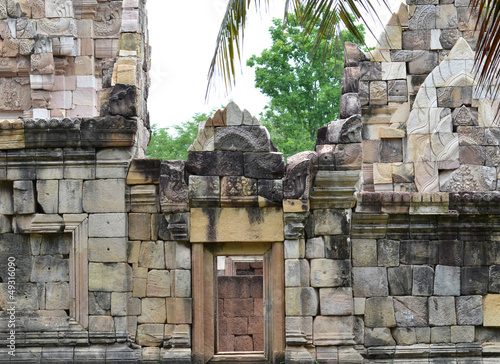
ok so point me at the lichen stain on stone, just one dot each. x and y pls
(212, 216)
(255, 216)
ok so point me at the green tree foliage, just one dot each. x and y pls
(303, 86)
(172, 143)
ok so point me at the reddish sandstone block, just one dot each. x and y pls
(243, 343)
(237, 307)
(226, 343)
(258, 342)
(256, 325)
(237, 326)
(256, 287)
(233, 287)
(258, 307)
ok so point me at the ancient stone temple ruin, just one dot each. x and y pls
(381, 246)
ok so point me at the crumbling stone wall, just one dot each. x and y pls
(380, 245)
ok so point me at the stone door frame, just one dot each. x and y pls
(204, 301)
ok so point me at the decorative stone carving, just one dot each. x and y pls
(294, 225)
(237, 190)
(299, 176)
(464, 117)
(58, 27)
(173, 188)
(123, 100)
(204, 191)
(108, 131)
(335, 189)
(345, 131)
(424, 17)
(370, 71)
(264, 165)
(108, 20)
(218, 163)
(15, 94)
(270, 192)
(53, 133)
(469, 178)
(205, 139)
(243, 139)
(178, 226)
(349, 105)
(59, 9)
(42, 63)
(14, 9)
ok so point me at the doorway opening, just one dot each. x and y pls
(240, 304)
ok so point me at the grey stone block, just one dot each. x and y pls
(494, 279)
(301, 301)
(462, 334)
(423, 62)
(24, 197)
(405, 335)
(330, 273)
(47, 195)
(337, 247)
(379, 312)
(388, 253)
(336, 301)
(474, 280)
(297, 272)
(424, 17)
(400, 280)
(378, 337)
(440, 335)
(106, 195)
(315, 248)
(423, 335)
(369, 281)
(419, 252)
(108, 225)
(47, 268)
(364, 252)
(70, 196)
(442, 311)
(264, 165)
(469, 310)
(447, 281)
(411, 311)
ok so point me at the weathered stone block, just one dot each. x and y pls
(298, 330)
(446, 16)
(469, 310)
(370, 71)
(110, 277)
(204, 190)
(440, 335)
(150, 335)
(108, 225)
(106, 195)
(139, 226)
(177, 255)
(336, 301)
(474, 280)
(236, 224)
(301, 301)
(378, 93)
(350, 78)
(369, 281)
(181, 283)
(179, 310)
(423, 62)
(152, 255)
(331, 222)
(447, 281)
(349, 105)
(107, 250)
(24, 197)
(451, 252)
(494, 279)
(411, 311)
(144, 171)
(378, 337)
(158, 283)
(419, 252)
(337, 247)
(416, 39)
(330, 273)
(387, 253)
(379, 312)
(153, 311)
(264, 165)
(449, 37)
(57, 296)
(70, 196)
(405, 335)
(400, 280)
(462, 334)
(332, 330)
(364, 252)
(442, 311)
(218, 163)
(270, 192)
(397, 91)
(47, 195)
(297, 273)
(47, 268)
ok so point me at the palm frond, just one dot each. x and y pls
(329, 14)
(487, 62)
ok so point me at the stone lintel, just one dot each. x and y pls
(211, 225)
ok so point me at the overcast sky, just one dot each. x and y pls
(182, 35)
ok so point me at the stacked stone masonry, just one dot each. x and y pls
(382, 245)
